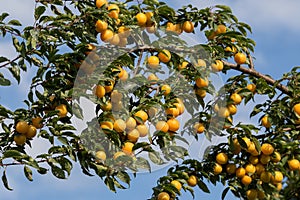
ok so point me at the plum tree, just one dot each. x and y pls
(130, 59)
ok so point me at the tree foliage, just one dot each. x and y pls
(129, 60)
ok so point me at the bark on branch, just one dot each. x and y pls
(257, 74)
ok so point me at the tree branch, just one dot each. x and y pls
(257, 74)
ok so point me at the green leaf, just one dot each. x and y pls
(223, 7)
(14, 22)
(58, 172)
(110, 184)
(5, 182)
(39, 11)
(4, 112)
(143, 163)
(155, 158)
(225, 192)
(11, 154)
(203, 186)
(3, 59)
(4, 81)
(28, 173)
(3, 16)
(65, 164)
(15, 70)
(124, 177)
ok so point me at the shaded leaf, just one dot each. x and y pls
(28, 173)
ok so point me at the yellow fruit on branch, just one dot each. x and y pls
(101, 26)
(265, 121)
(200, 63)
(141, 19)
(142, 114)
(250, 169)
(170, 27)
(153, 78)
(251, 87)
(230, 168)
(183, 65)
(173, 124)
(173, 112)
(153, 62)
(240, 58)
(37, 122)
(127, 148)
(114, 14)
(200, 82)
(199, 128)
(162, 126)
(188, 27)
(118, 154)
(265, 176)
(62, 110)
(218, 168)
(31, 132)
(123, 31)
(20, 139)
(115, 40)
(253, 160)
(236, 98)
(192, 181)
(22, 127)
(246, 180)
(149, 16)
(259, 168)
(240, 172)
(200, 92)
(133, 135)
(166, 89)
(164, 56)
(115, 96)
(109, 86)
(217, 66)
(232, 109)
(124, 76)
(113, 7)
(277, 177)
(180, 107)
(130, 123)
(267, 149)
(294, 164)
(100, 156)
(107, 125)
(296, 109)
(220, 29)
(100, 3)
(119, 125)
(100, 91)
(176, 184)
(106, 35)
(143, 130)
(251, 194)
(223, 112)
(264, 159)
(107, 106)
(222, 158)
(276, 157)
(163, 196)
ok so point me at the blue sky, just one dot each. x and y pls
(275, 29)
